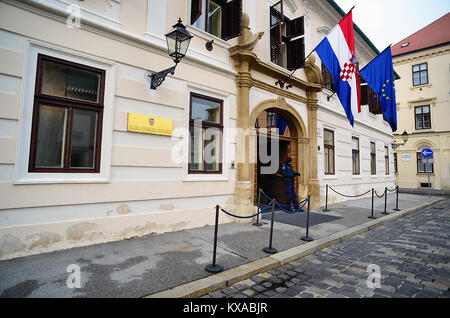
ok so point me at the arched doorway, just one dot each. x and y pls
(274, 121)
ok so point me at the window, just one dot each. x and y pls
(422, 117)
(221, 18)
(369, 97)
(206, 128)
(373, 158)
(271, 119)
(328, 79)
(287, 46)
(386, 159)
(355, 156)
(67, 117)
(395, 163)
(420, 74)
(329, 151)
(423, 167)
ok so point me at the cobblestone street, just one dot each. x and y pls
(412, 254)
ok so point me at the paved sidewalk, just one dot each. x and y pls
(412, 255)
(144, 266)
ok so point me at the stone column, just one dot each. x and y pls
(243, 192)
(303, 166)
(313, 181)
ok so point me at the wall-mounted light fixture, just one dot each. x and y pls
(405, 139)
(178, 41)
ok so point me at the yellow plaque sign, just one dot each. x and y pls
(150, 124)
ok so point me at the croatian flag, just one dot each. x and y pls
(337, 52)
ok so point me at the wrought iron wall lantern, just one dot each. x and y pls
(405, 139)
(178, 41)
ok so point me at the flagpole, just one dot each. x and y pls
(306, 58)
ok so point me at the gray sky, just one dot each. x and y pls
(387, 22)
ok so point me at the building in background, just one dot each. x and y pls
(77, 168)
(423, 109)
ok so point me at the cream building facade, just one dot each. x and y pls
(423, 107)
(92, 180)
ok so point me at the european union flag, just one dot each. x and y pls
(281, 125)
(379, 75)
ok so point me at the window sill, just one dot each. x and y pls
(356, 176)
(328, 92)
(206, 178)
(330, 177)
(420, 86)
(424, 174)
(45, 178)
(281, 68)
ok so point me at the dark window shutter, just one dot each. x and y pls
(196, 10)
(276, 14)
(374, 103)
(276, 20)
(296, 54)
(275, 43)
(295, 28)
(231, 19)
(364, 95)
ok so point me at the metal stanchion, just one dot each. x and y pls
(396, 202)
(326, 200)
(385, 202)
(371, 216)
(215, 268)
(257, 223)
(270, 249)
(307, 238)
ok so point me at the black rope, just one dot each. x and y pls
(392, 190)
(247, 217)
(378, 195)
(350, 196)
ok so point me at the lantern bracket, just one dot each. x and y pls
(157, 78)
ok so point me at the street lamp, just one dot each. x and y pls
(405, 139)
(178, 41)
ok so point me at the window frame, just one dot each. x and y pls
(422, 117)
(207, 125)
(289, 34)
(328, 79)
(419, 162)
(419, 72)
(395, 163)
(228, 21)
(70, 104)
(332, 147)
(356, 152)
(386, 160)
(373, 158)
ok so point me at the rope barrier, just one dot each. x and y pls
(392, 190)
(300, 209)
(247, 217)
(378, 195)
(284, 205)
(350, 196)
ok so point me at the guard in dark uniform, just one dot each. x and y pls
(288, 173)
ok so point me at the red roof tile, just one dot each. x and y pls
(436, 33)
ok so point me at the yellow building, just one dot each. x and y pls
(422, 60)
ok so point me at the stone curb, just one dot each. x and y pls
(212, 283)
